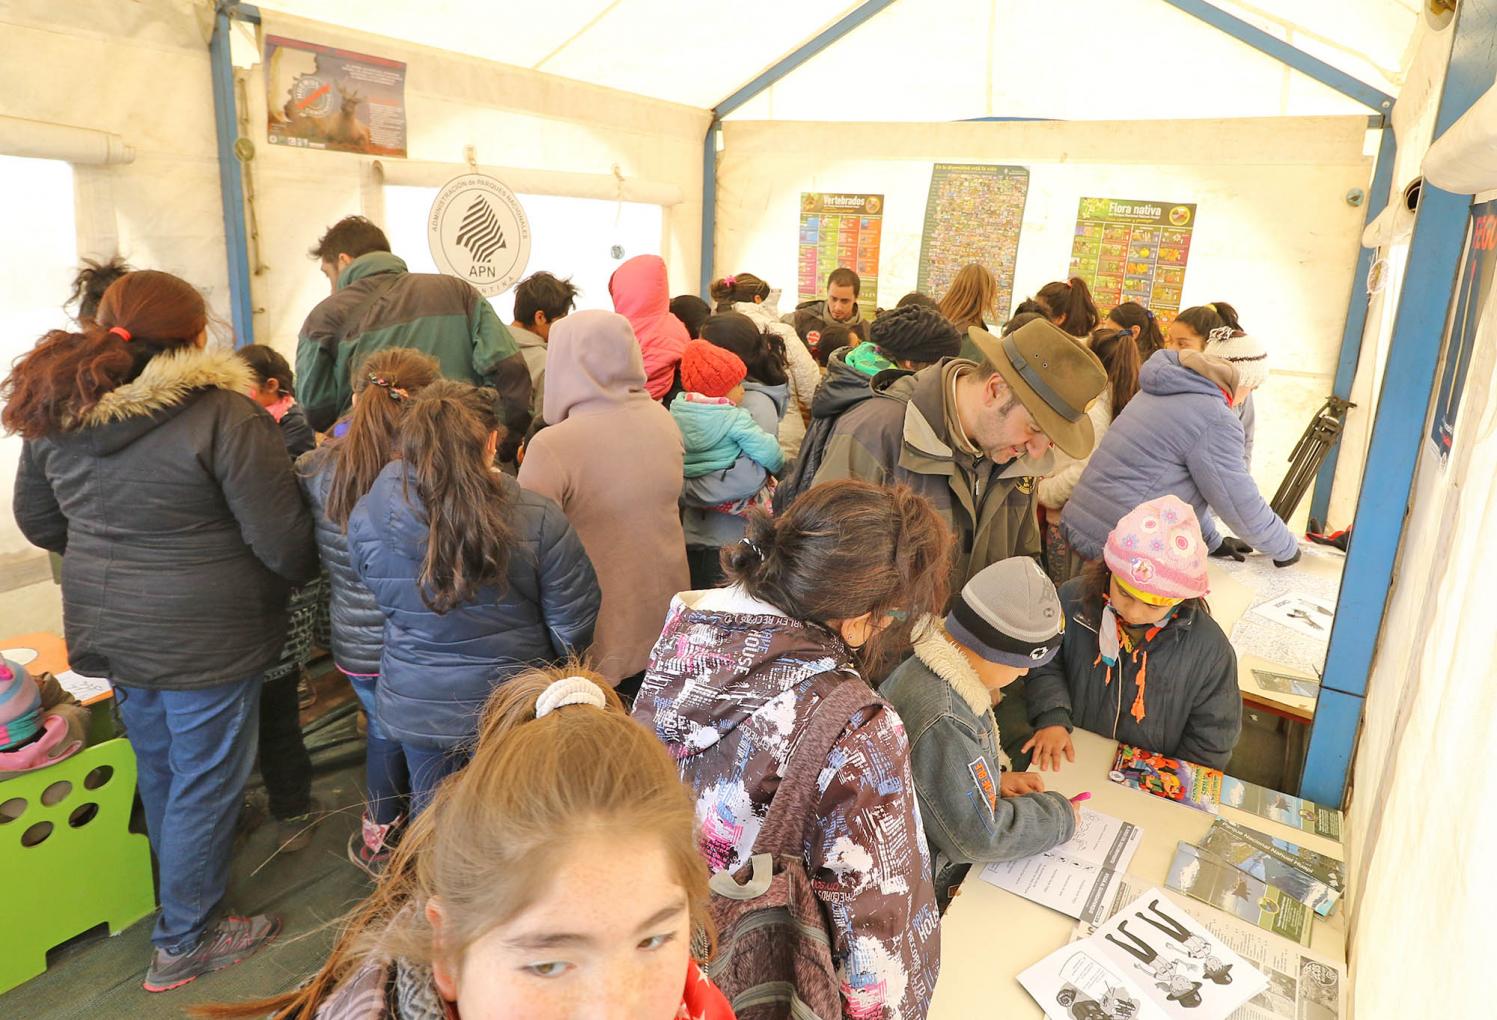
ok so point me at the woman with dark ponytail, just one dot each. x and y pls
(477, 578)
(819, 597)
(173, 500)
(1140, 322)
(1069, 305)
(1119, 356)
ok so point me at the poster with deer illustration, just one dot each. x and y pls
(321, 97)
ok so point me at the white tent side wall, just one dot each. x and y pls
(1274, 234)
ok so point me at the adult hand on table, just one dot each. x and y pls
(1232, 549)
(1049, 743)
(1017, 784)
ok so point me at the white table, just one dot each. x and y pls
(988, 935)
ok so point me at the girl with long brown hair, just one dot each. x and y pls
(477, 579)
(1118, 352)
(334, 477)
(819, 596)
(556, 876)
(971, 298)
(173, 499)
(1069, 305)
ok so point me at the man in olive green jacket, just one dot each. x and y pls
(975, 438)
(377, 303)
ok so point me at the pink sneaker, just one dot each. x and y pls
(371, 846)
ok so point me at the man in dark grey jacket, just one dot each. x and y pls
(975, 809)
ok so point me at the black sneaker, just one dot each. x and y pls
(229, 942)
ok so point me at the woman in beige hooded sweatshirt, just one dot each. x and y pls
(612, 458)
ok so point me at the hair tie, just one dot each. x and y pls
(1213, 310)
(1149, 313)
(121, 332)
(731, 281)
(754, 546)
(572, 690)
(397, 393)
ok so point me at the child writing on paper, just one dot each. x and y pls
(1142, 661)
(556, 876)
(1006, 620)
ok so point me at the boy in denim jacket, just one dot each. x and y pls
(975, 810)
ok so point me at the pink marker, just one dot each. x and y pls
(1085, 795)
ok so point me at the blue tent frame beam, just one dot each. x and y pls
(1356, 318)
(810, 48)
(1398, 431)
(230, 173)
(1328, 75)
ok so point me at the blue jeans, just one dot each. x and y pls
(429, 767)
(387, 779)
(194, 751)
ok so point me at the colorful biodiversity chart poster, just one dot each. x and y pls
(320, 97)
(839, 230)
(1132, 250)
(972, 214)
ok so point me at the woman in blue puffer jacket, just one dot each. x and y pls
(478, 580)
(1179, 436)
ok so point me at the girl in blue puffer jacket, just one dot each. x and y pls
(478, 580)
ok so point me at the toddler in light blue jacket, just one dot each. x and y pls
(715, 430)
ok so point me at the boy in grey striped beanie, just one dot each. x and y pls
(1007, 620)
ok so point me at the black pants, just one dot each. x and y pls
(284, 763)
(705, 564)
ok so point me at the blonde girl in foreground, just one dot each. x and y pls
(555, 876)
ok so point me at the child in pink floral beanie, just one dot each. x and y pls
(39, 723)
(1145, 664)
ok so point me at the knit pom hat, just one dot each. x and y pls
(1246, 353)
(1009, 613)
(915, 333)
(709, 370)
(20, 705)
(1157, 550)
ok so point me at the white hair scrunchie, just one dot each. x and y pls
(571, 690)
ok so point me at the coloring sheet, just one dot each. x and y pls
(87, 689)
(1151, 949)
(1307, 614)
(19, 656)
(1203, 876)
(1302, 984)
(1076, 878)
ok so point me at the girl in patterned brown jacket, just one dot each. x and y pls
(735, 679)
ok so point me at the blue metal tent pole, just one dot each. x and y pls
(1356, 318)
(1398, 432)
(1273, 46)
(230, 174)
(839, 28)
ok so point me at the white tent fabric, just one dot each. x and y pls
(919, 59)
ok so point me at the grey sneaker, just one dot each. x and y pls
(230, 941)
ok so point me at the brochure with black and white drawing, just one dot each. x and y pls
(1302, 984)
(1077, 877)
(1153, 950)
(1306, 614)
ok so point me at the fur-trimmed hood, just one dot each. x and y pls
(166, 381)
(933, 648)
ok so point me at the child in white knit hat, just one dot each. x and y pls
(1215, 329)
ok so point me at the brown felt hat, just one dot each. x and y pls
(1054, 377)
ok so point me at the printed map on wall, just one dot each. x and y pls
(319, 97)
(1132, 250)
(972, 214)
(839, 230)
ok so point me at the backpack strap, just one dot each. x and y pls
(792, 809)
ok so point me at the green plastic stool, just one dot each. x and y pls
(69, 859)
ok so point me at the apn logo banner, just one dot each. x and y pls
(478, 232)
